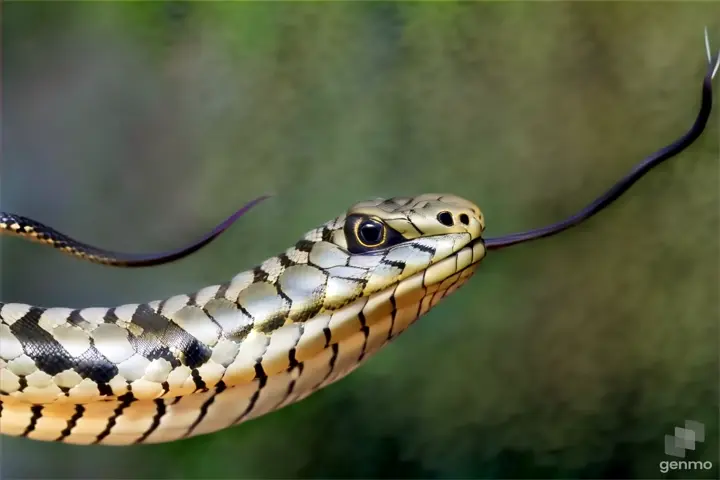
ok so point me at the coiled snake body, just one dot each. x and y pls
(195, 364)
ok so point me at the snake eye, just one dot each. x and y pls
(371, 233)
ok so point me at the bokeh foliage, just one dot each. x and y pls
(137, 125)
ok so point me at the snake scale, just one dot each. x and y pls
(194, 364)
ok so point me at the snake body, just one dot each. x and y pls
(194, 364)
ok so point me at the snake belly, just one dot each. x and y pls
(195, 364)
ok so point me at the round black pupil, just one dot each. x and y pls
(370, 233)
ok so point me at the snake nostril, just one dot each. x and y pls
(445, 218)
(464, 219)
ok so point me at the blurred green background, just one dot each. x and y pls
(138, 126)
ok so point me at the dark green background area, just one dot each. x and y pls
(137, 126)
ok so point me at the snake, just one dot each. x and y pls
(197, 363)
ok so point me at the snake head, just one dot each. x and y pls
(380, 223)
(379, 243)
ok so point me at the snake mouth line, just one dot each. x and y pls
(476, 241)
